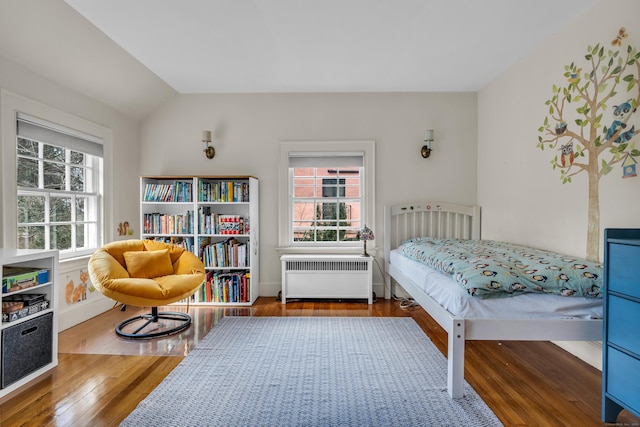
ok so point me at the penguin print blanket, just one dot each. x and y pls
(492, 269)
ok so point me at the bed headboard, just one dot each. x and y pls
(426, 219)
(429, 219)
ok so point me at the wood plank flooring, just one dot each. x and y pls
(101, 378)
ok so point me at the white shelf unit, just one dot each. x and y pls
(205, 222)
(29, 344)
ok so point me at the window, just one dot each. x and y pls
(328, 192)
(326, 209)
(59, 181)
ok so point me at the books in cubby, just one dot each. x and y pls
(160, 223)
(227, 253)
(185, 243)
(177, 191)
(223, 191)
(214, 223)
(227, 287)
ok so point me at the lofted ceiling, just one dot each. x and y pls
(226, 46)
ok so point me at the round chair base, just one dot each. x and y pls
(183, 319)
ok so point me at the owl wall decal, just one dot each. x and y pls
(567, 155)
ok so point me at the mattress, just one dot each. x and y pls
(458, 302)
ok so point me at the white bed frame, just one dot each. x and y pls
(447, 220)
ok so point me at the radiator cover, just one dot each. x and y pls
(327, 276)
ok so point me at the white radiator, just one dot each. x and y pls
(326, 276)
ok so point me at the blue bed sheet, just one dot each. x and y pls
(492, 269)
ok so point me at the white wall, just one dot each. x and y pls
(522, 197)
(122, 204)
(247, 129)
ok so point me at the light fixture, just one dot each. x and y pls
(365, 234)
(426, 149)
(209, 151)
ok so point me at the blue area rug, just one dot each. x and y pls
(311, 371)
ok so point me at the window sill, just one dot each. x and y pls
(76, 259)
(282, 250)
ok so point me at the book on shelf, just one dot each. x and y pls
(214, 223)
(223, 191)
(185, 243)
(160, 223)
(178, 191)
(226, 287)
(226, 253)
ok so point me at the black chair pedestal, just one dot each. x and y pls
(184, 320)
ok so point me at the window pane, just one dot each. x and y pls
(27, 173)
(80, 233)
(31, 237)
(54, 176)
(77, 178)
(77, 158)
(326, 235)
(303, 211)
(352, 212)
(304, 192)
(26, 147)
(51, 152)
(60, 237)
(303, 235)
(60, 209)
(349, 235)
(81, 203)
(30, 209)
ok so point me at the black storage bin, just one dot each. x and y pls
(26, 347)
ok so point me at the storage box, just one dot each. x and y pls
(25, 311)
(16, 278)
(26, 347)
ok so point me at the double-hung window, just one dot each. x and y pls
(329, 193)
(59, 186)
(326, 196)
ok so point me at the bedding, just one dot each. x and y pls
(490, 269)
(457, 301)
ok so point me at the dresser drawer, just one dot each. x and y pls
(622, 320)
(623, 378)
(624, 269)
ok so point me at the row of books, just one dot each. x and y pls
(185, 243)
(157, 223)
(214, 223)
(178, 191)
(228, 253)
(223, 191)
(226, 287)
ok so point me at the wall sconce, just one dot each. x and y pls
(209, 151)
(426, 149)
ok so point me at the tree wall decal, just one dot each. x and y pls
(585, 140)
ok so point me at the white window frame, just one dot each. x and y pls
(11, 105)
(93, 177)
(285, 210)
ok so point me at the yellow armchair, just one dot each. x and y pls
(146, 273)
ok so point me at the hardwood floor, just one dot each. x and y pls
(101, 378)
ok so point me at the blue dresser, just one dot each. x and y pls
(621, 334)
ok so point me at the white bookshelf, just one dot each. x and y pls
(29, 343)
(215, 217)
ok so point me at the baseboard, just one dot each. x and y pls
(83, 313)
(588, 351)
